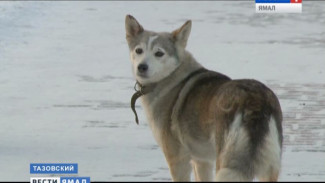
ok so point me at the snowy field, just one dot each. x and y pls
(66, 82)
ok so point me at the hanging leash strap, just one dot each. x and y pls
(139, 92)
(143, 90)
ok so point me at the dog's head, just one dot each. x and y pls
(154, 55)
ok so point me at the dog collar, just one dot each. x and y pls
(143, 90)
(140, 91)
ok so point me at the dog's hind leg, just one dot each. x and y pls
(203, 170)
(272, 177)
(235, 162)
(269, 157)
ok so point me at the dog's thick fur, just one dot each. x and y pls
(201, 117)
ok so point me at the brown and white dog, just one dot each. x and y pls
(201, 118)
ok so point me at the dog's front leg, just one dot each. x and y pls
(178, 160)
(180, 168)
(203, 170)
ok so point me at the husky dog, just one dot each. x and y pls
(202, 119)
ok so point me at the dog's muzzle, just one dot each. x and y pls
(142, 68)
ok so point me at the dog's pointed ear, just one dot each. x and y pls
(181, 35)
(132, 26)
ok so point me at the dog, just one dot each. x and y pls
(201, 119)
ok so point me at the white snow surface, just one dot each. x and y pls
(66, 81)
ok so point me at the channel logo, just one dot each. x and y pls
(60, 180)
(278, 6)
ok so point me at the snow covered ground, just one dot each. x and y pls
(66, 82)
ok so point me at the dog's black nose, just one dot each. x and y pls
(142, 68)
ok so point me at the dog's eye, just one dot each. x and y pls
(159, 54)
(138, 51)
